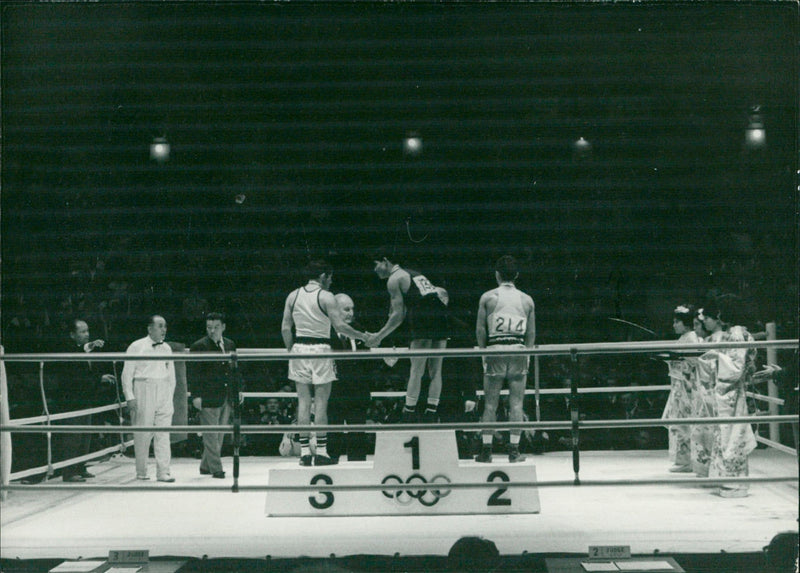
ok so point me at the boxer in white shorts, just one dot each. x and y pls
(505, 318)
(308, 315)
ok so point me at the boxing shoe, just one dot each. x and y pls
(514, 455)
(485, 457)
(320, 460)
(430, 417)
(306, 460)
(408, 416)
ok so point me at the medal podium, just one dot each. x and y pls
(406, 457)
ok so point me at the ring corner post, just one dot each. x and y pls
(772, 387)
(574, 411)
(237, 419)
(5, 437)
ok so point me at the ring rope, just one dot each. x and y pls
(58, 465)
(776, 445)
(281, 428)
(67, 415)
(403, 486)
(528, 392)
(763, 398)
(279, 354)
(248, 395)
(251, 355)
(381, 394)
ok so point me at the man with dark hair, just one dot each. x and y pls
(413, 298)
(506, 318)
(308, 315)
(78, 385)
(211, 385)
(149, 386)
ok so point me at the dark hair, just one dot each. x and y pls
(152, 319)
(686, 314)
(472, 554)
(726, 308)
(383, 252)
(215, 316)
(781, 552)
(506, 267)
(315, 268)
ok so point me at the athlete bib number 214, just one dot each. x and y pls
(508, 324)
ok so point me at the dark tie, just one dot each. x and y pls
(219, 345)
(157, 343)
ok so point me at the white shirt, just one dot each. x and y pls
(152, 369)
(310, 321)
(508, 322)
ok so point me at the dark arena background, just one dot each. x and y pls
(632, 156)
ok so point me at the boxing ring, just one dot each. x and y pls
(414, 497)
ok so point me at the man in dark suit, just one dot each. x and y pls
(76, 386)
(211, 384)
(350, 393)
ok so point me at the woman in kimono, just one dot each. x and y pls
(728, 370)
(704, 405)
(683, 379)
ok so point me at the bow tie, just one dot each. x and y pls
(157, 343)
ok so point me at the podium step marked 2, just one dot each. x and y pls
(424, 457)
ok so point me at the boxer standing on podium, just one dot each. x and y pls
(149, 386)
(507, 316)
(415, 299)
(310, 311)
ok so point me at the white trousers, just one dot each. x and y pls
(153, 408)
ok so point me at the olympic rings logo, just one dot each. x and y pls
(427, 497)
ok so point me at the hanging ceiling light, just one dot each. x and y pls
(159, 149)
(755, 136)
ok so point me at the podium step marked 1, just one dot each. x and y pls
(412, 458)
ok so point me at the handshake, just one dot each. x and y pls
(372, 340)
